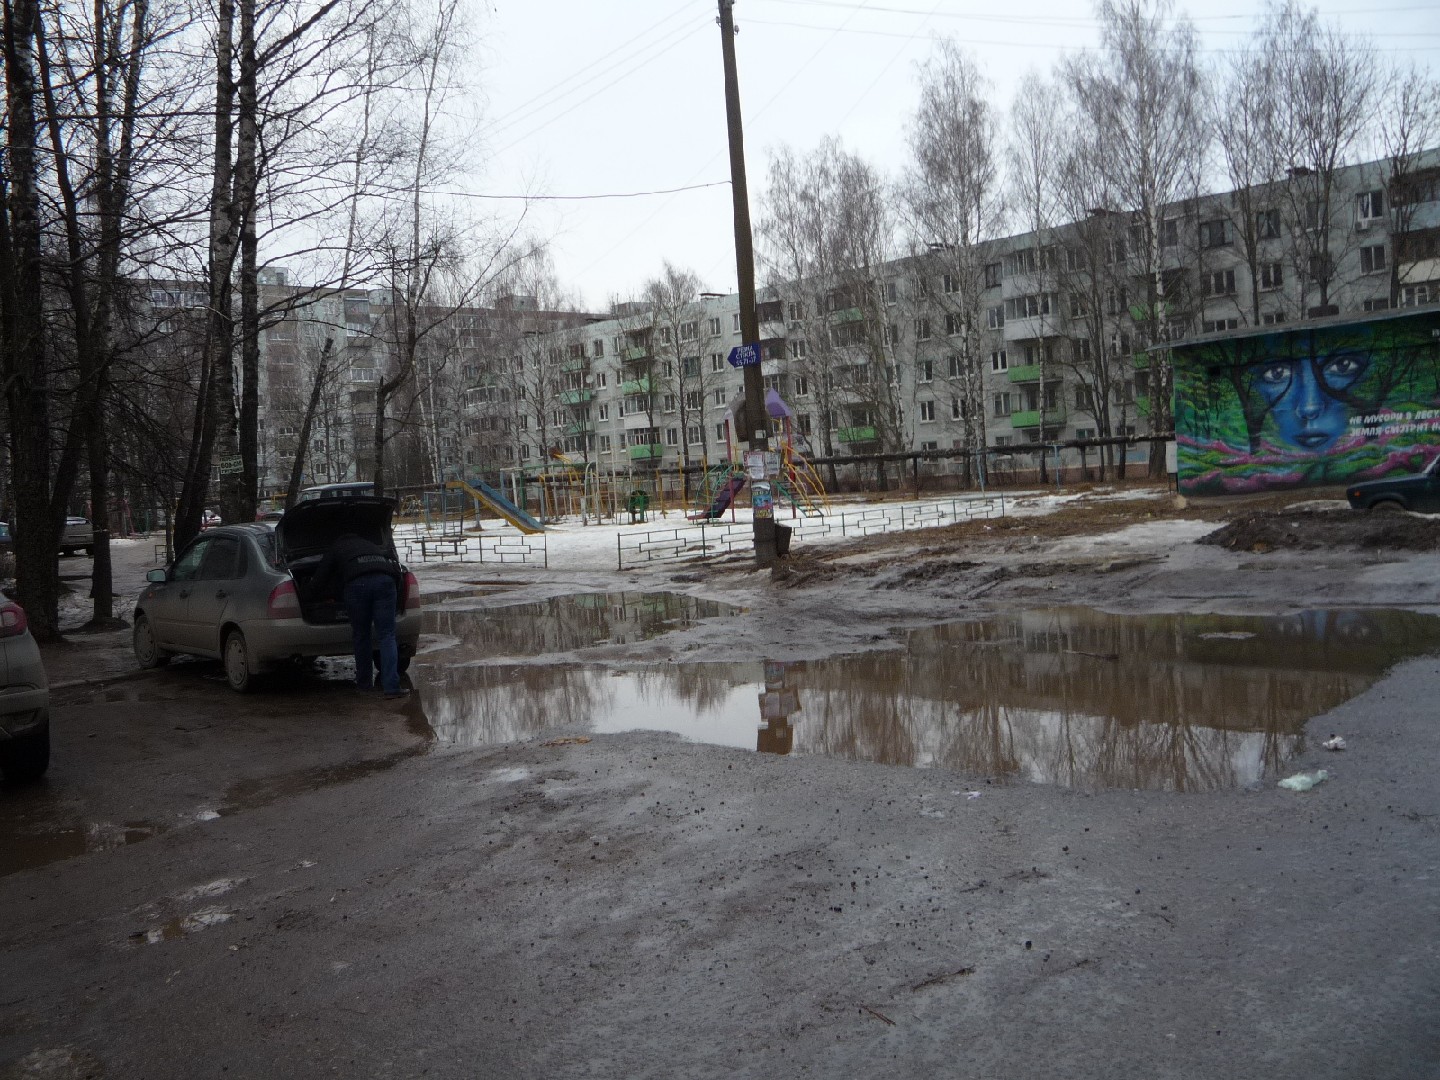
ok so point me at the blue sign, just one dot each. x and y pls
(744, 356)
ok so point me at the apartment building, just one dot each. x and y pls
(1024, 343)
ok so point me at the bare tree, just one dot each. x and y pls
(1142, 129)
(953, 204)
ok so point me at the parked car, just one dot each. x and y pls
(238, 593)
(209, 519)
(1417, 491)
(79, 535)
(24, 700)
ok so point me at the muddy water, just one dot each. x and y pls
(571, 622)
(1063, 696)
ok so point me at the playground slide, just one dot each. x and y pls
(724, 497)
(488, 496)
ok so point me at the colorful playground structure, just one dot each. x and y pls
(797, 482)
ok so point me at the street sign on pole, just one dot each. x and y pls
(743, 356)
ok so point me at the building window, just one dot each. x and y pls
(1369, 206)
(1416, 295)
(1023, 261)
(950, 284)
(1272, 275)
(689, 331)
(955, 413)
(1272, 318)
(1372, 259)
(998, 361)
(797, 348)
(801, 386)
(602, 412)
(795, 310)
(927, 411)
(1317, 268)
(1381, 303)
(995, 317)
(954, 323)
(1084, 399)
(1002, 404)
(952, 365)
(717, 363)
(672, 436)
(735, 322)
(924, 371)
(994, 274)
(693, 434)
(1216, 326)
(1267, 224)
(922, 330)
(1220, 283)
(891, 333)
(714, 327)
(1214, 234)
(719, 399)
(1315, 215)
(1170, 232)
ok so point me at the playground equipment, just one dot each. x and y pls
(487, 496)
(797, 482)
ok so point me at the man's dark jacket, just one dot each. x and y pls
(351, 557)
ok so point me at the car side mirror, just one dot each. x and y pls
(157, 576)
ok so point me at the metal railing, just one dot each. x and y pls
(702, 540)
(495, 547)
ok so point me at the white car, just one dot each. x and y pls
(79, 535)
(24, 700)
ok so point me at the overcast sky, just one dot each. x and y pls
(583, 98)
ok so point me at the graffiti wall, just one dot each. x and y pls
(1323, 405)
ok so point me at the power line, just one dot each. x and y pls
(581, 198)
(1062, 21)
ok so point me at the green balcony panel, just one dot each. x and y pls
(1025, 418)
(851, 314)
(856, 434)
(583, 364)
(576, 397)
(1025, 373)
(652, 452)
(1142, 404)
(636, 352)
(1140, 361)
(635, 386)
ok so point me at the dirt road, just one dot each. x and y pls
(321, 890)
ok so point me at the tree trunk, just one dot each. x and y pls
(297, 469)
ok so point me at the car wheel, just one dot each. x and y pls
(89, 552)
(237, 663)
(25, 758)
(1387, 505)
(148, 653)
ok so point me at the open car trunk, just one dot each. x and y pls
(306, 531)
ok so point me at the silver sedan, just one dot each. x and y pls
(237, 593)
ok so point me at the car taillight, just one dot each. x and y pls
(12, 620)
(284, 602)
(412, 592)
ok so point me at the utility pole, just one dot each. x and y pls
(757, 422)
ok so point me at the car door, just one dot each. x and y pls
(213, 592)
(166, 601)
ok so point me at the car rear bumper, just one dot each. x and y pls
(23, 710)
(272, 640)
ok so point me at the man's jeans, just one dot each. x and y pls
(372, 599)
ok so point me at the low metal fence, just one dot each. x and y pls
(702, 539)
(528, 549)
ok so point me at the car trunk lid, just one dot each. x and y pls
(306, 531)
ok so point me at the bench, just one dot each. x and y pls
(438, 545)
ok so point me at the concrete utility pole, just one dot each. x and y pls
(757, 421)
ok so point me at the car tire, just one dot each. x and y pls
(89, 552)
(148, 653)
(237, 663)
(1388, 505)
(25, 758)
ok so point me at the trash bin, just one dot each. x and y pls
(782, 540)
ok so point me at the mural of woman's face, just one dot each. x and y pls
(1307, 397)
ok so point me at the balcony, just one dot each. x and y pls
(855, 434)
(848, 315)
(1025, 373)
(1140, 361)
(581, 363)
(1030, 418)
(635, 353)
(577, 397)
(635, 386)
(652, 452)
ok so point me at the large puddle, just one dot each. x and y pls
(1064, 696)
(571, 622)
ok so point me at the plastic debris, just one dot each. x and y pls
(1304, 781)
(1335, 742)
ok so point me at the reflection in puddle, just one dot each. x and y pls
(571, 622)
(28, 840)
(1066, 696)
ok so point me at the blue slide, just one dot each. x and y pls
(488, 496)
